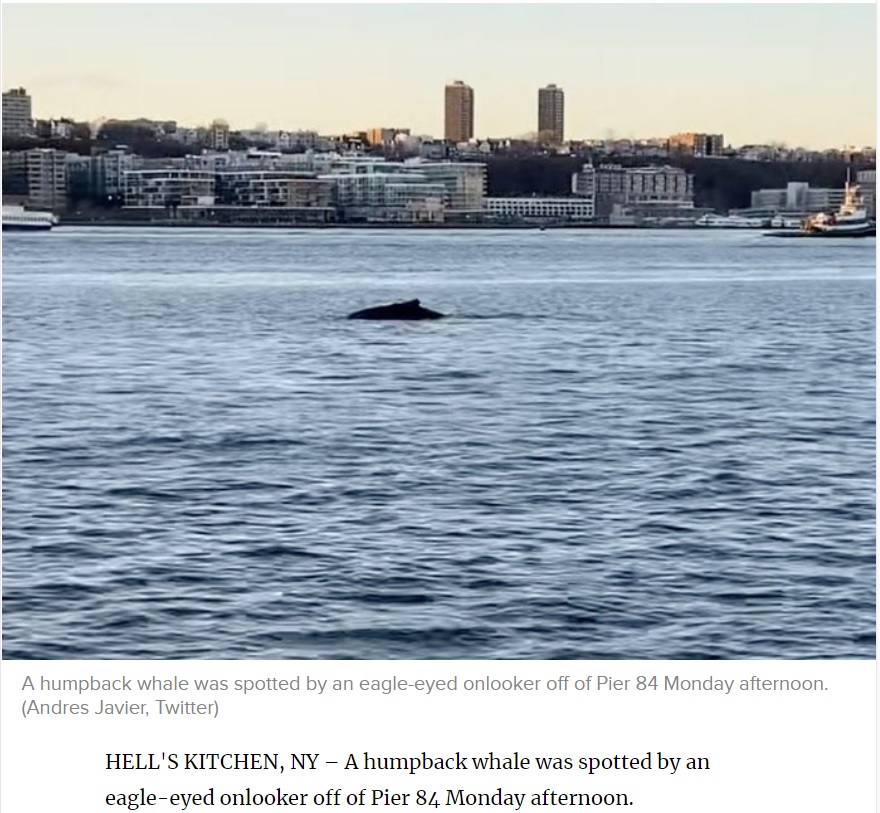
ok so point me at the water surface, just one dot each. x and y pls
(620, 445)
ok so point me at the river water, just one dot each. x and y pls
(620, 444)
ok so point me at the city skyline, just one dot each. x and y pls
(631, 71)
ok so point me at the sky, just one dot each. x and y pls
(795, 73)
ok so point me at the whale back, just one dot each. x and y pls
(411, 309)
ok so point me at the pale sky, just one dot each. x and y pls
(803, 74)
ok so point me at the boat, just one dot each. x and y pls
(850, 220)
(17, 218)
(782, 222)
(729, 222)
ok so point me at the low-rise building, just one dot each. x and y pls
(169, 188)
(382, 192)
(544, 210)
(301, 197)
(659, 186)
(465, 184)
(798, 197)
(867, 182)
(653, 191)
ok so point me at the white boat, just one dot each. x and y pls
(729, 222)
(782, 222)
(17, 218)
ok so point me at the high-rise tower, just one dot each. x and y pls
(551, 115)
(459, 125)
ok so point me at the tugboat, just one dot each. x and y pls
(850, 220)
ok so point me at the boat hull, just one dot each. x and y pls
(24, 227)
(870, 232)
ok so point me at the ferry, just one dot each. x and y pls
(17, 218)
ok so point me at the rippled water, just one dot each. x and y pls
(620, 445)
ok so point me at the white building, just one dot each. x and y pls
(797, 197)
(381, 192)
(465, 184)
(567, 210)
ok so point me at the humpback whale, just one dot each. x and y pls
(397, 310)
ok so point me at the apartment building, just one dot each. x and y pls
(385, 136)
(47, 173)
(659, 185)
(383, 192)
(15, 185)
(272, 188)
(464, 183)
(551, 115)
(218, 135)
(459, 120)
(652, 191)
(583, 182)
(702, 145)
(17, 114)
(169, 188)
(108, 171)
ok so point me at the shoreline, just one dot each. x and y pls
(171, 224)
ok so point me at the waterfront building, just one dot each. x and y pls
(17, 114)
(47, 178)
(659, 186)
(168, 188)
(272, 188)
(15, 184)
(867, 181)
(610, 188)
(555, 210)
(387, 195)
(702, 145)
(459, 121)
(108, 171)
(797, 197)
(551, 115)
(464, 182)
(281, 196)
(643, 192)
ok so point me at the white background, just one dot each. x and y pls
(768, 751)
